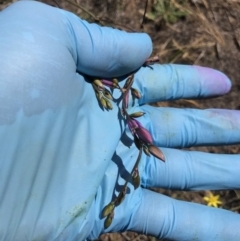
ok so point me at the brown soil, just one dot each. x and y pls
(201, 32)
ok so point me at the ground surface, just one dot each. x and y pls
(202, 32)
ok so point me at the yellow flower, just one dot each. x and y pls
(212, 200)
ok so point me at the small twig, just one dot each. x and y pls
(237, 208)
(56, 3)
(125, 236)
(236, 199)
(120, 26)
(144, 14)
(100, 19)
(84, 9)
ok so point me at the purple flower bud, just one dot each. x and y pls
(125, 100)
(144, 135)
(137, 123)
(137, 128)
(109, 83)
(132, 125)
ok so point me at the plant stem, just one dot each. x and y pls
(117, 201)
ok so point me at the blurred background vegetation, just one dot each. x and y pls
(200, 32)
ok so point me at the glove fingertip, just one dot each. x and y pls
(216, 82)
(105, 51)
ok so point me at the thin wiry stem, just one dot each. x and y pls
(117, 201)
(84, 9)
(101, 20)
(142, 137)
(144, 14)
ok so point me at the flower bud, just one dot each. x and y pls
(132, 124)
(108, 220)
(107, 94)
(108, 209)
(137, 114)
(103, 102)
(155, 151)
(107, 82)
(98, 83)
(144, 135)
(115, 81)
(128, 82)
(136, 93)
(98, 95)
(110, 84)
(109, 105)
(125, 100)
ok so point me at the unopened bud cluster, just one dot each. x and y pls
(142, 137)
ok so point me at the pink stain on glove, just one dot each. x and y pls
(215, 82)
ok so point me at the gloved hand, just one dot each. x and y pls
(63, 158)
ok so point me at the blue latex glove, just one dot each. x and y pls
(60, 154)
